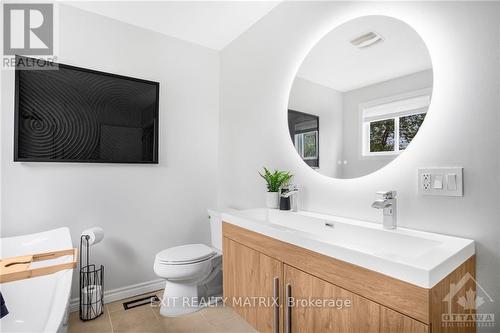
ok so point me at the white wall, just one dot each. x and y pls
(356, 164)
(142, 208)
(461, 129)
(312, 98)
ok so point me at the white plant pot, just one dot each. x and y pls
(272, 200)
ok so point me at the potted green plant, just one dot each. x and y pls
(274, 181)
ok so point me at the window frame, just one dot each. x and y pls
(364, 128)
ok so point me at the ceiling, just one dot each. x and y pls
(334, 62)
(213, 24)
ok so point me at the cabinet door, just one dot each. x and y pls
(394, 322)
(362, 316)
(251, 282)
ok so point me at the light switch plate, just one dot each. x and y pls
(451, 180)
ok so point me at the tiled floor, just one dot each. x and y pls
(147, 319)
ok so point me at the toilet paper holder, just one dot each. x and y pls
(91, 283)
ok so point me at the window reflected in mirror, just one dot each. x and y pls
(389, 125)
(382, 136)
(408, 128)
(304, 132)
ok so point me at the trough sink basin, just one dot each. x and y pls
(417, 257)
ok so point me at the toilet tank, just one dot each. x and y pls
(215, 218)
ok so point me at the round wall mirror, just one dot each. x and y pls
(360, 97)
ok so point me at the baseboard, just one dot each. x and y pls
(124, 292)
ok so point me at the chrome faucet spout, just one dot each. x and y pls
(380, 203)
(388, 204)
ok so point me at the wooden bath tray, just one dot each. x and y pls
(18, 268)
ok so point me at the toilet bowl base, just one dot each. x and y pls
(180, 299)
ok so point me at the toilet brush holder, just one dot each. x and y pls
(91, 284)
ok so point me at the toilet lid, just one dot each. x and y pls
(185, 254)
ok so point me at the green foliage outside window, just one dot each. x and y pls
(382, 135)
(310, 145)
(408, 128)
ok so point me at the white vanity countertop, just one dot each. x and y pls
(417, 257)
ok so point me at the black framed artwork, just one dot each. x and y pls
(72, 114)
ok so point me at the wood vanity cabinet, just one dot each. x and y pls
(250, 276)
(361, 316)
(256, 266)
(394, 322)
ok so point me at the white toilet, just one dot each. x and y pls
(193, 272)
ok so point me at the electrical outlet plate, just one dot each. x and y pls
(425, 179)
(441, 181)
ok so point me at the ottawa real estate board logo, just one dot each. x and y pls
(463, 302)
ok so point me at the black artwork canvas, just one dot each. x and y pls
(71, 114)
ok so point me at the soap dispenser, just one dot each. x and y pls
(287, 197)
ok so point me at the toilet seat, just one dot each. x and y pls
(185, 254)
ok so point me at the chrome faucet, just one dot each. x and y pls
(388, 203)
